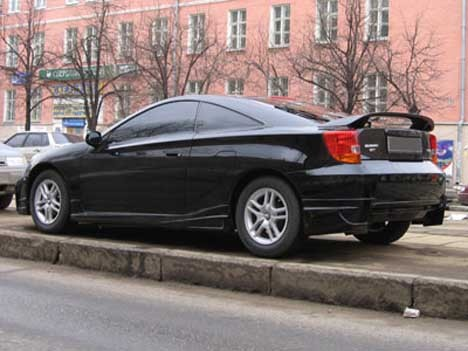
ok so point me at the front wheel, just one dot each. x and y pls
(384, 233)
(5, 201)
(49, 202)
(268, 217)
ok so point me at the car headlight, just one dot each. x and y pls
(16, 161)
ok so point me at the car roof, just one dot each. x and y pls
(266, 113)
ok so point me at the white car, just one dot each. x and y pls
(31, 143)
(12, 166)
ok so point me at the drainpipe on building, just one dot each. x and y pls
(459, 161)
(175, 46)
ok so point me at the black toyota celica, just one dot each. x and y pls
(227, 163)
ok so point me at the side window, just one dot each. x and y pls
(37, 140)
(211, 117)
(16, 141)
(171, 118)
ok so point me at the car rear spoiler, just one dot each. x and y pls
(356, 122)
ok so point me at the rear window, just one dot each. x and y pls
(389, 122)
(16, 140)
(211, 117)
(61, 138)
(37, 140)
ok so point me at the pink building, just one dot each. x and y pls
(278, 25)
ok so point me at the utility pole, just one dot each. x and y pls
(461, 122)
(175, 47)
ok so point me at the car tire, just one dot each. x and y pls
(385, 233)
(5, 201)
(58, 220)
(278, 212)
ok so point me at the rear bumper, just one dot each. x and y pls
(349, 198)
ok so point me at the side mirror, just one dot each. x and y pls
(94, 139)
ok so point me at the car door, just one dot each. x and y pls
(141, 166)
(35, 143)
(213, 157)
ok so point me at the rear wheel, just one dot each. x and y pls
(5, 201)
(49, 202)
(384, 233)
(268, 217)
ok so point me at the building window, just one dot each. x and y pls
(91, 43)
(196, 35)
(12, 51)
(71, 39)
(278, 86)
(13, 6)
(235, 87)
(194, 87)
(376, 93)
(36, 103)
(377, 19)
(123, 103)
(38, 47)
(10, 102)
(71, 2)
(237, 29)
(280, 25)
(327, 21)
(322, 91)
(126, 39)
(40, 4)
(159, 32)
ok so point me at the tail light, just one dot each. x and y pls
(343, 146)
(433, 142)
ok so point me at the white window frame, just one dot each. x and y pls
(40, 4)
(374, 101)
(326, 18)
(11, 57)
(70, 43)
(284, 33)
(380, 24)
(91, 42)
(160, 32)
(194, 87)
(36, 113)
(329, 83)
(277, 84)
(237, 29)
(123, 101)
(71, 2)
(38, 43)
(9, 109)
(196, 34)
(126, 39)
(238, 85)
(13, 6)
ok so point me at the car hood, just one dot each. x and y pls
(68, 151)
(6, 150)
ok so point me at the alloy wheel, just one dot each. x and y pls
(47, 201)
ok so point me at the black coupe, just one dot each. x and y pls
(226, 163)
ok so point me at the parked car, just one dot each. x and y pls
(463, 195)
(12, 166)
(31, 143)
(212, 162)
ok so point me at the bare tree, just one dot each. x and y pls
(170, 55)
(338, 58)
(24, 55)
(410, 66)
(98, 60)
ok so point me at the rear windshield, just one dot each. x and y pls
(61, 138)
(389, 122)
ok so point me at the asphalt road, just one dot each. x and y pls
(45, 307)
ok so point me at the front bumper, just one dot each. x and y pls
(352, 197)
(9, 176)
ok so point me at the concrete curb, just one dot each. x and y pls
(443, 298)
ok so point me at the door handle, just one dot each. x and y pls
(172, 154)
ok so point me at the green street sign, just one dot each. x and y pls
(106, 72)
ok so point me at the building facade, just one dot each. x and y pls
(252, 32)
